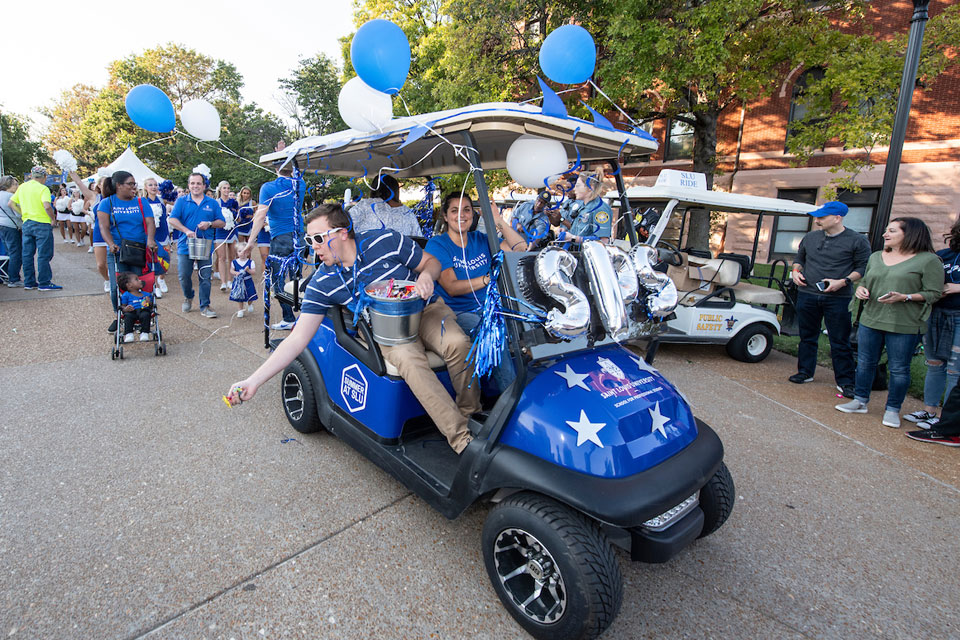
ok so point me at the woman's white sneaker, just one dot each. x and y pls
(854, 406)
(891, 419)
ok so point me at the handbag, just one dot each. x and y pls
(131, 252)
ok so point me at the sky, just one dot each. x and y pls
(264, 40)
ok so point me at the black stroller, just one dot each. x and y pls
(156, 333)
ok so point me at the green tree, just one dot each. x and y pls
(20, 153)
(311, 93)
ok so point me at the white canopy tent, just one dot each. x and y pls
(128, 161)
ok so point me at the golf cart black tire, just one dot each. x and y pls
(737, 347)
(309, 419)
(587, 565)
(716, 500)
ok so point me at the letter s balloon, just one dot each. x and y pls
(554, 269)
(662, 295)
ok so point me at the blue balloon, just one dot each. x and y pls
(150, 109)
(380, 54)
(568, 55)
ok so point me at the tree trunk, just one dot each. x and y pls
(704, 160)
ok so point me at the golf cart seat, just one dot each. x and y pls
(755, 294)
(699, 278)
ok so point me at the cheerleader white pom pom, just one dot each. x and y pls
(203, 170)
(65, 160)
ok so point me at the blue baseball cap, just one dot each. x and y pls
(832, 208)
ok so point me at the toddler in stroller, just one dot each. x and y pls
(136, 307)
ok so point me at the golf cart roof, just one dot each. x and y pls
(669, 188)
(412, 144)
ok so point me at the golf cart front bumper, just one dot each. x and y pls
(627, 503)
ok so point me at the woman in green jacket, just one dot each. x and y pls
(897, 290)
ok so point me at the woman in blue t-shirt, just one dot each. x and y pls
(465, 259)
(226, 238)
(941, 343)
(120, 218)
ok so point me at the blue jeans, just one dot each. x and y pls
(114, 266)
(900, 349)
(185, 275)
(281, 246)
(834, 312)
(942, 378)
(37, 238)
(504, 374)
(12, 241)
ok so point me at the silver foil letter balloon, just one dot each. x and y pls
(661, 298)
(554, 269)
(626, 273)
(606, 289)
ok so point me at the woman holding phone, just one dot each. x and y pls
(899, 286)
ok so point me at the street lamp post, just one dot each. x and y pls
(911, 61)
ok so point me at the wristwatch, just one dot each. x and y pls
(848, 280)
(908, 298)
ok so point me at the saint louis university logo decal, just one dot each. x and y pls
(608, 367)
(353, 388)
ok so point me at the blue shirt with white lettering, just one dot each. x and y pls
(190, 214)
(126, 219)
(279, 197)
(471, 261)
(381, 255)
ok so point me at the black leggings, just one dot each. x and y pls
(130, 318)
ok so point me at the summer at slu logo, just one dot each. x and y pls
(353, 388)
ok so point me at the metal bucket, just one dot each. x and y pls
(199, 248)
(394, 321)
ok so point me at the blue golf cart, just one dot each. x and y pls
(589, 447)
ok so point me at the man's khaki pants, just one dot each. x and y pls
(440, 333)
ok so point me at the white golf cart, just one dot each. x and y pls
(716, 305)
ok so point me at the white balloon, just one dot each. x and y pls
(531, 160)
(201, 120)
(364, 108)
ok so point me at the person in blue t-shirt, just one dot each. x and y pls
(123, 216)
(354, 261)
(194, 214)
(280, 200)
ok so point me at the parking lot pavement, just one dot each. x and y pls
(135, 504)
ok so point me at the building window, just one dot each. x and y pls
(788, 230)
(679, 140)
(798, 110)
(863, 206)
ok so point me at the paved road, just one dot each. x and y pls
(134, 504)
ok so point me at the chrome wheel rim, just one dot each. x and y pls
(756, 344)
(293, 396)
(530, 576)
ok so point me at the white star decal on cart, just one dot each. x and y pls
(659, 420)
(586, 430)
(573, 378)
(644, 365)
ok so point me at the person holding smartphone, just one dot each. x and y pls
(897, 291)
(829, 260)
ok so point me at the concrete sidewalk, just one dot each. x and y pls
(134, 504)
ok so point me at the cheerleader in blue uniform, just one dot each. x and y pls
(244, 289)
(151, 197)
(226, 238)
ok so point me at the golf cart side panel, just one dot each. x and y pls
(707, 325)
(382, 403)
(605, 413)
(622, 502)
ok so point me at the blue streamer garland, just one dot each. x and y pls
(424, 209)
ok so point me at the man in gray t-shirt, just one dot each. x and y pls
(830, 259)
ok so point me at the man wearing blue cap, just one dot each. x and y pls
(830, 259)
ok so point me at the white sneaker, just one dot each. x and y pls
(223, 286)
(67, 241)
(186, 306)
(854, 406)
(240, 313)
(229, 284)
(216, 274)
(282, 326)
(891, 419)
(90, 250)
(128, 337)
(157, 293)
(163, 284)
(79, 244)
(106, 286)
(144, 337)
(250, 308)
(207, 312)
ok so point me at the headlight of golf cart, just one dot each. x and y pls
(667, 518)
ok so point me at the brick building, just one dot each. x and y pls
(928, 184)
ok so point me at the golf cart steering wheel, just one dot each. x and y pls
(669, 254)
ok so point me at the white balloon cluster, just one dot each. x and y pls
(201, 120)
(533, 162)
(65, 160)
(364, 108)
